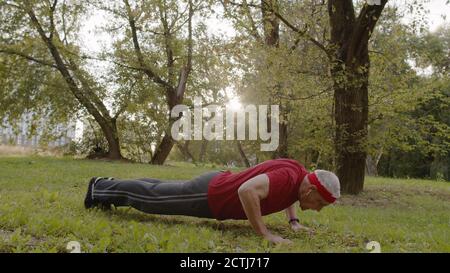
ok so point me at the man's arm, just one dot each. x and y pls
(251, 193)
(291, 214)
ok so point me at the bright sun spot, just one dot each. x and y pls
(234, 104)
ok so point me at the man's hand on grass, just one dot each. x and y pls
(298, 227)
(277, 239)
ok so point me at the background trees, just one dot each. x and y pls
(45, 33)
(360, 91)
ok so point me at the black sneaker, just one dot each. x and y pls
(89, 201)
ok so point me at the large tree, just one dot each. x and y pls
(350, 66)
(348, 54)
(347, 51)
(174, 87)
(158, 44)
(271, 27)
(51, 24)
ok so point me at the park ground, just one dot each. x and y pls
(41, 210)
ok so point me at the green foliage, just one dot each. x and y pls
(410, 116)
(408, 110)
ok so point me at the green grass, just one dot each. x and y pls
(41, 210)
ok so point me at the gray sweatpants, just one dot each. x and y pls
(155, 196)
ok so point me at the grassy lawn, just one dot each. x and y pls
(41, 210)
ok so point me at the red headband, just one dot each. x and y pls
(312, 177)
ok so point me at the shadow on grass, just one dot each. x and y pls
(236, 228)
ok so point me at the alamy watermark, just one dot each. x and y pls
(213, 128)
(373, 247)
(75, 247)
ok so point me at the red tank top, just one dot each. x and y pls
(285, 176)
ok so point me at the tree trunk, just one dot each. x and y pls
(350, 72)
(163, 150)
(242, 153)
(271, 26)
(351, 116)
(271, 23)
(112, 137)
(372, 163)
(182, 151)
(282, 150)
(316, 165)
(203, 150)
(174, 95)
(186, 150)
(371, 166)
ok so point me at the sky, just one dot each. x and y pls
(95, 40)
(438, 11)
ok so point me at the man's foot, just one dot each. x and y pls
(89, 201)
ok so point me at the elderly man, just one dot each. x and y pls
(266, 188)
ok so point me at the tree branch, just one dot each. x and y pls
(137, 49)
(291, 97)
(167, 41)
(73, 87)
(8, 3)
(253, 30)
(364, 27)
(302, 33)
(185, 71)
(342, 18)
(52, 18)
(25, 56)
(125, 104)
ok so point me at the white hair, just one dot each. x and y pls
(330, 181)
